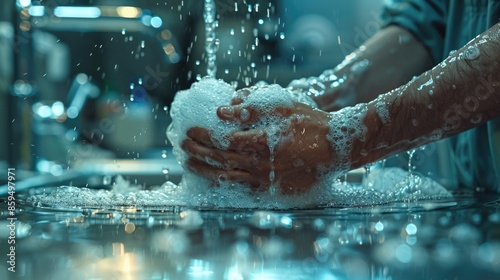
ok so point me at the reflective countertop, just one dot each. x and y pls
(456, 238)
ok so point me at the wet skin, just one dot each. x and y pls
(457, 82)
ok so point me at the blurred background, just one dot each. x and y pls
(86, 84)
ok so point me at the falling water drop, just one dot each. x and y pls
(164, 154)
(106, 180)
(166, 172)
(211, 42)
(410, 157)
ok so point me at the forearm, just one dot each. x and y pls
(456, 95)
(395, 57)
(387, 60)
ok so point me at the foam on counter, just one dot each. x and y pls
(383, 186)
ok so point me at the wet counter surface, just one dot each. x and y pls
(447, 239)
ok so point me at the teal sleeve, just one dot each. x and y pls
(425, 19)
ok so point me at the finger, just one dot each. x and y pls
(240, 114)
(219, 175)
(240, 96)
(250, 141)
(202, 153)
(201, 136)
(226, 160)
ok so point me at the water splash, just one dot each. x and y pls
(382, 186)
(211, 41)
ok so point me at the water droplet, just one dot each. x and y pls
(471, 53)
(143, 44)
(132, 86)
(106, 180)
(165, 170)
(164, 154)
(124, 30)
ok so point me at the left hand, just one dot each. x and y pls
(302, 155)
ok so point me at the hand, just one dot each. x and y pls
(294, 165)
(329, 93)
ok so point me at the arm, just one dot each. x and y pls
(460, 93)
(410, 42)
(389, 59)
(464, 93)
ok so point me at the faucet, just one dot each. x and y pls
(56, 125)
(81, 89)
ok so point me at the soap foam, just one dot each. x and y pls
(197, 107)
(383, 111)
(346, 126)
(382, 186)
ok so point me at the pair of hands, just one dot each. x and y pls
(297, 163)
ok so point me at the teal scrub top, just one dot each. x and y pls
(443, 26)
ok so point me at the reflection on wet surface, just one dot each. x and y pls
(454, 239)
